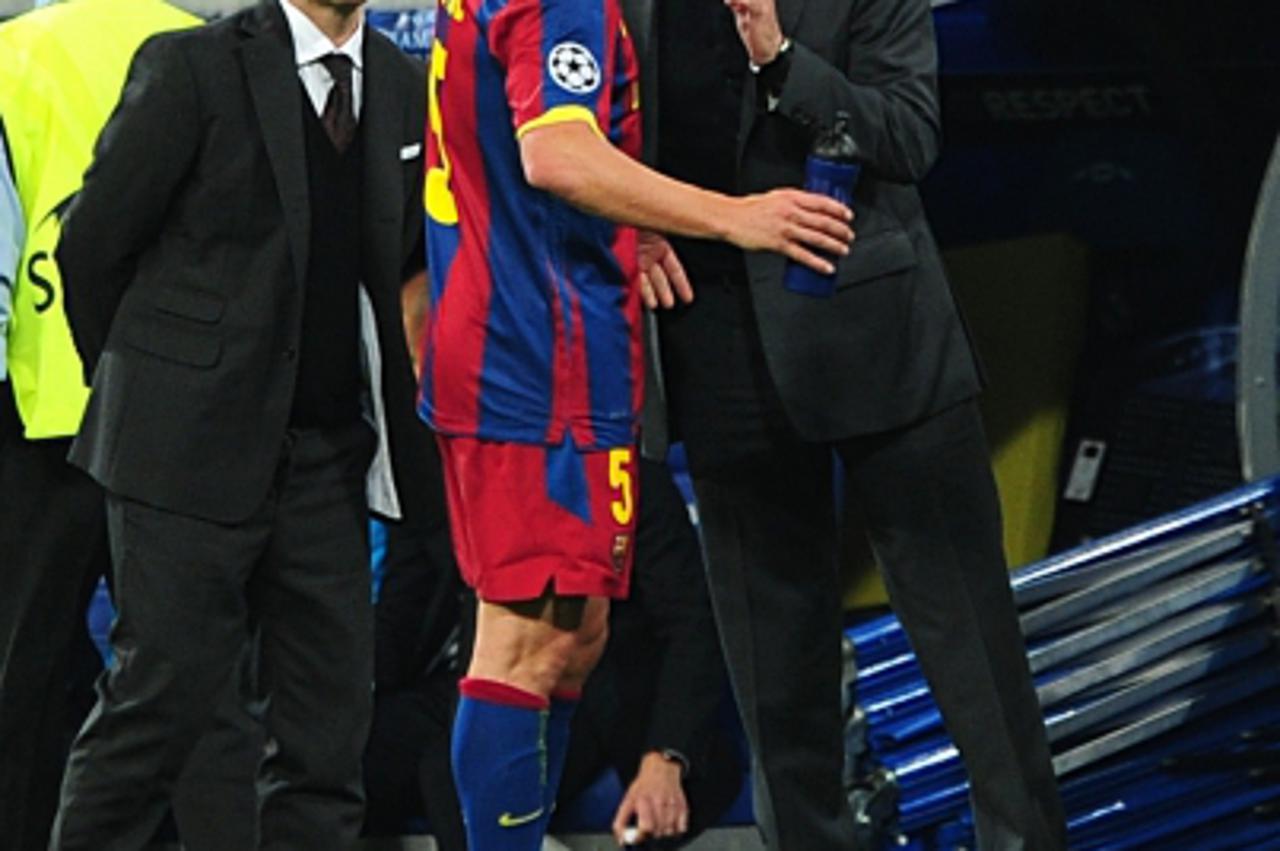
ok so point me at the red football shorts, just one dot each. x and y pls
(525, 517)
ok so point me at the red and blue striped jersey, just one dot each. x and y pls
(534, 328)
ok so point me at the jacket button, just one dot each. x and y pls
(291, 354)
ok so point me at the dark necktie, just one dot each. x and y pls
(339, 116)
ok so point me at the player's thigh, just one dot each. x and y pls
(536, 643)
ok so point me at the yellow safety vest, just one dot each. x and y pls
(62, 68)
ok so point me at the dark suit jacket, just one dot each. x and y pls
(889, 347)
(184, 255)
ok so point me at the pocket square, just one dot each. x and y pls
(408, 152)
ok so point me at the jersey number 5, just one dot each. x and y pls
(441, 206)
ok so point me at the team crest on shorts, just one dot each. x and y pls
(621, 547)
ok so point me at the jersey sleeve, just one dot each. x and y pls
(556, 54)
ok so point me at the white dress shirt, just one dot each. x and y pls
(310, 45)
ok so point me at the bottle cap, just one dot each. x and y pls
(836, 142)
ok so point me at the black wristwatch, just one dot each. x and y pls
(674, 756)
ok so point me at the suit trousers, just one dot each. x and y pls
(407, 763)
(53, 537)
(189, 594)
(932, 518)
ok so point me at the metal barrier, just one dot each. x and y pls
(1151, 648)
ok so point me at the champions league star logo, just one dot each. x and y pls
(573, 68)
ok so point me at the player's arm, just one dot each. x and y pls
(568, 156)
(414, 298)
(572, 160)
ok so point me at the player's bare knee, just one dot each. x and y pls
(541, 645)
(557, 655)
(544, 669)
(587, 648)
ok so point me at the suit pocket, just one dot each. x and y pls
(174, 340)
(188, 303)
(875, 256)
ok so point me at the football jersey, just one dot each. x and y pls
(533, 334)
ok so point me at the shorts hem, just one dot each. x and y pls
(538, 575)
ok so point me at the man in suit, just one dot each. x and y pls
(55, 96)
(232, 269)
(767, 387)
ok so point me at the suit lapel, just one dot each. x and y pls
(382, 132)
(277, 100)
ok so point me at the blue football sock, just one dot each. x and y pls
(500, 765)
(559, 718)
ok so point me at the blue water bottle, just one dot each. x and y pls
(831, 169)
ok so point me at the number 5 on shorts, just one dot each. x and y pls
(622, 483)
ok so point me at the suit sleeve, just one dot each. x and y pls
(11, 240)
(690, 677)
(889, 88)
(141, 158)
